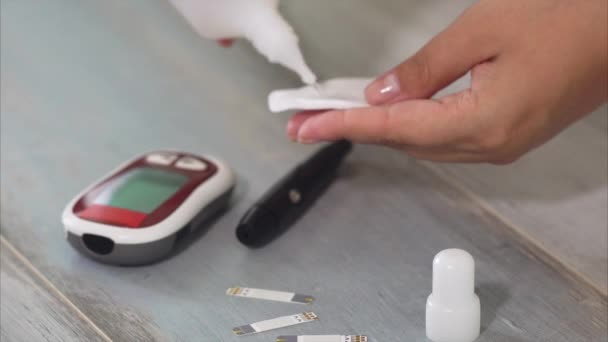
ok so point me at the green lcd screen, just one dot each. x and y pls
(142, 189)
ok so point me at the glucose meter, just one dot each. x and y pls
(136, 213)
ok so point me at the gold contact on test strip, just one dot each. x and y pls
(309, 316)
(358, 338)
(237, 331)
(235, 291)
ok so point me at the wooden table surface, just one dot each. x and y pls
(87, 84)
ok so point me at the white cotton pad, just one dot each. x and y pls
(338, 93)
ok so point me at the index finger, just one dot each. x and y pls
(423, 123)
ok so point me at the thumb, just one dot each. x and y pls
(444, 59)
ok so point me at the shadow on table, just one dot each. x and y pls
(188, 236)
(492, 297)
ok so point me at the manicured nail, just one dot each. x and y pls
(292, 132)
(307, 140)
(304, 135)
(383, 89)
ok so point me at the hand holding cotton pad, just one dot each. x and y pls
(338, 93)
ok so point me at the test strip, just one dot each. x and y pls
(278, 296)
(275, 323)
(323, 338)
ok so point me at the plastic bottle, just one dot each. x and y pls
(258, 21)
(453, 309)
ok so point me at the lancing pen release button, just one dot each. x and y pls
(290, 198)
(295, 196)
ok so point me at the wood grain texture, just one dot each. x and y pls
(557, 195)
(30, 309)
(86, 85)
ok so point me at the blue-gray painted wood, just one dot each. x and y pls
(31, 312)
(557, 195)
(87, 84)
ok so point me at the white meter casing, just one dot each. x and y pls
(136, 213)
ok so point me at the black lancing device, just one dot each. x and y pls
(291, 197)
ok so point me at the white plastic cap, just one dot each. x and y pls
(453, 309)
(274, 38)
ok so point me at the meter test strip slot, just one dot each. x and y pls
(135, 213)
(279, 296)
(275, 323)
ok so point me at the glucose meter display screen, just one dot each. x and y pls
(141, 189)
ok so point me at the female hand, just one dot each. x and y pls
(536, 67)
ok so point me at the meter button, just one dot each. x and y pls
(161, 158)
(190, 163)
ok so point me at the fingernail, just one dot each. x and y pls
(304, 136)
(292, 132)
(383, 89)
